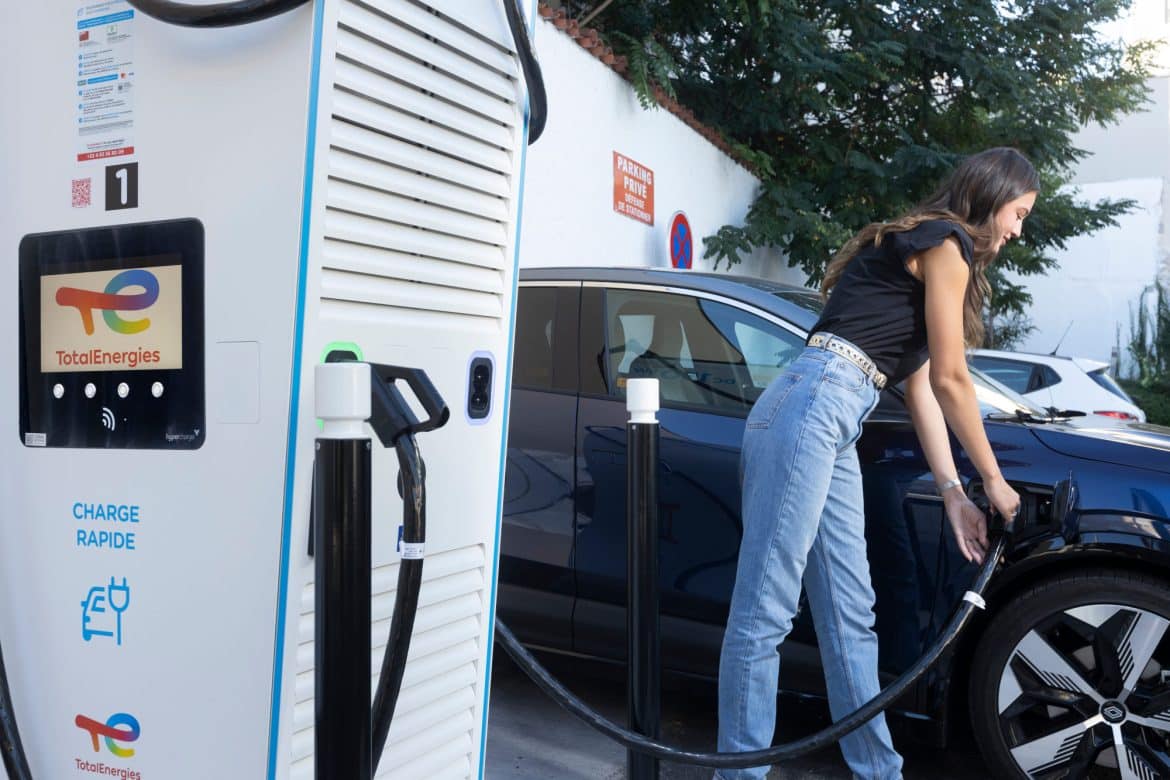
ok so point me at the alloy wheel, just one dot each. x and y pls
(1086, 694)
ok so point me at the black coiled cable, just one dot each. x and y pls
(228, 14)
(537, 96)
(777, 753)
(15, 762)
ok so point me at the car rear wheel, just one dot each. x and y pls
(1072, 680)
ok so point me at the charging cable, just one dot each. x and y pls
(777, 753)
(11, 749)
(228, 14)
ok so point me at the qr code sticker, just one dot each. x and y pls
(82, 193)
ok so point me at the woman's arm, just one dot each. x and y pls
(946, 275)
(930, 425)
(967, 522)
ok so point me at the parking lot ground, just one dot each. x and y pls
(530, 736)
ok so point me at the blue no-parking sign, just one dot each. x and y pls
(681, 245)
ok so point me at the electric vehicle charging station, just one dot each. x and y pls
(195, 218)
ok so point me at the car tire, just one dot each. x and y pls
(1048, 688)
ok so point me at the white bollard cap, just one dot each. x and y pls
(642, 400)
(342, 399)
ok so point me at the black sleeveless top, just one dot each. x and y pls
(881, 307)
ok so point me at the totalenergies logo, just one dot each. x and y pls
(110, 302)
(113, 735)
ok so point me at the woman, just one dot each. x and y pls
(904, 298)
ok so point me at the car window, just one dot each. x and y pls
(702, 352)
(766, 348)
(1045, 376)
(1013, 373)
(1103, 378)
(545, 347)
(533, 350)
(996, 397)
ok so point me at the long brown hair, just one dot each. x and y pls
(971, 197)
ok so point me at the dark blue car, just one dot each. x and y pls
(1067, 675)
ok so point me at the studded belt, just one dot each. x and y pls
(840, 346)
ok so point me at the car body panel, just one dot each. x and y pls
(537, 581)
(1134, 444)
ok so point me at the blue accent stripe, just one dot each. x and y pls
(294, 400)
(491, 635)
(98, 21)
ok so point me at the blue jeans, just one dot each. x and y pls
(803, 517)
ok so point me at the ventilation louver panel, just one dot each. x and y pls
(420, 164)
(434, 720)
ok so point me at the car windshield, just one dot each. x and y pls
(997, 398)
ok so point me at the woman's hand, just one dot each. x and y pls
(1005, 500)
(968, 523)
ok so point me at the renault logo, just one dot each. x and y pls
(1113, 712)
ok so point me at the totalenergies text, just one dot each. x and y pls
(130, 358)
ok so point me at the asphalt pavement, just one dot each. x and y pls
(531, 737)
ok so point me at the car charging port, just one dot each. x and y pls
(1036, 508)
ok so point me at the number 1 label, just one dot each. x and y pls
(122, 186)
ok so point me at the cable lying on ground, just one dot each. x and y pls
(777, 753)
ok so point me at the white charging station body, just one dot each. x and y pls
(348, 174)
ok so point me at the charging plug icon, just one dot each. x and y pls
(119, 598)
(101, 611)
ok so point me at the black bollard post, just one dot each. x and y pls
(644, 671)
(342, 556)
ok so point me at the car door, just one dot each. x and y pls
(712, 359)
(905, 541)
(536, 577)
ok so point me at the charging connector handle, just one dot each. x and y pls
(391, 417)
(821, 739)
(229, 14)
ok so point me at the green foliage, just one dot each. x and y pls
(1007, 330)
(1149, 338)
(859, 109)
(1154, 400)
(1149, 346)
(649, 65)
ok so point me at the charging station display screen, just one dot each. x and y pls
(128, 319)
(112, 337)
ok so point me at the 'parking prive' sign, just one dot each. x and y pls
(633, 189)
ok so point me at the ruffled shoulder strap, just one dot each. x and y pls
(930, 234)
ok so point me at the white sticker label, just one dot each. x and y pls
(105, 80)
(35, 440)
(412, 550)
(975, 599)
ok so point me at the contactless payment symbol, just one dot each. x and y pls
(110, 302)
(681, 243)
(119, 728)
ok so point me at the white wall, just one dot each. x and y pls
(1100, 277)
(568, 216)
(1137, 147)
